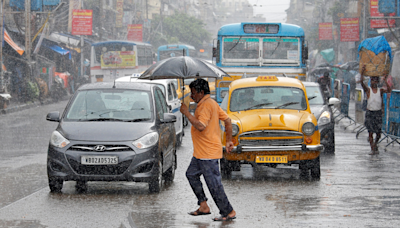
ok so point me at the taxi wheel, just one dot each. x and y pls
(226, 169)
(330, 148)
(315, 169)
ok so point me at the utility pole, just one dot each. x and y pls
(28, 30)
(3, 88)
(101, 19)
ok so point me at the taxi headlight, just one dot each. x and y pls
(308, 128)
(146, 141)
(325, 118)
(58, 140)
(235, 129)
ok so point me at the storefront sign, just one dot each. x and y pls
(379, 23)
(82, 22)
(325, 31)
(135, 32)
(120, 14)
(349, 29)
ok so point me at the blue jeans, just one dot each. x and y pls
(210, 171)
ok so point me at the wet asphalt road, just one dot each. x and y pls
(355, 190)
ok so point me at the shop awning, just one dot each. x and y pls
(8, 39)
(57, 48)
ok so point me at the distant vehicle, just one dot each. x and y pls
(272, 124)
(116, 59)
(322, 110)
(168, 87)
(175, 50)
(113, 132)
(252, 49)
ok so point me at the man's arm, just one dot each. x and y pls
(365, 88)
(228, 135)
(193, 120)
(388, 88)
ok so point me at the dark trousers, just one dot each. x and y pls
(210, 171)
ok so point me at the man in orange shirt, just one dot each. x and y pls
(207, 148)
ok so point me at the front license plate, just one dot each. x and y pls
(271, 159)
(99, 160)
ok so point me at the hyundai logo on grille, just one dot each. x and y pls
(99, 148)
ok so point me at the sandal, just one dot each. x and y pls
(223, 219)
(198, 212)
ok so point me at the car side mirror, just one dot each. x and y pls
(53, 116)
(333, 101)
(214, 52)
(170, 108)
(168, 118)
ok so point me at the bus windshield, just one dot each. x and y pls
(251, 49)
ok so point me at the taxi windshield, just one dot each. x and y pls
(267, 97)
(107, 105)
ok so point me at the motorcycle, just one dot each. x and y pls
(57, 91)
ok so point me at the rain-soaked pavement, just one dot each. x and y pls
(355, 190)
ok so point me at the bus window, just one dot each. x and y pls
(245, 48)
(141, 56)
(277, 48)
(149, 56)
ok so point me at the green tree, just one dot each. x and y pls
(178, 28)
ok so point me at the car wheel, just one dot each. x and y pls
(170, 174)
(315, 169)
(179, 139)
(330, 148)
(185, 121)
(81, 186)
(226, 169)
(55, 184)
(155, 184)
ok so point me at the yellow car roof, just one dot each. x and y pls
(279, 81)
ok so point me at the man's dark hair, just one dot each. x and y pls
(200, 85)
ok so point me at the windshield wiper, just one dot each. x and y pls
(310, 98)
(137, 120)
(275, 49)
(286, 104)
(235, 44)
(102, 119)
(257, 105)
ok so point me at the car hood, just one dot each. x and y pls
(279, 119)
(104, 131)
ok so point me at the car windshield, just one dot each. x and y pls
(110, 105)
(267, 97)
(314, 95)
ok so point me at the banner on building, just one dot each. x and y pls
(325, 31)
(349, 29)
(135, 32)
(120, 14)
(82, 22)
(73, 5)
(374, 12)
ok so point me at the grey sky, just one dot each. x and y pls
(272, 10)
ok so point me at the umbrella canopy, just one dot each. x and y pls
(183, 67)
(353, 65)
(321, 70)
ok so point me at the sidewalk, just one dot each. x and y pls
(348, 125)
(17, 106)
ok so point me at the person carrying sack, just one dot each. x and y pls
(374, 112)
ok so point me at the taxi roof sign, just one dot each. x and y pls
(267, 78)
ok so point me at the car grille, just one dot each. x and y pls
(106, 148)
(99, 169)
(271, 138)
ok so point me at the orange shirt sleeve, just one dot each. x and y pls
(205, 114)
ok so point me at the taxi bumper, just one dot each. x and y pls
(239, 149)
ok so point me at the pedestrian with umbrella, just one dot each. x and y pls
(207, 146)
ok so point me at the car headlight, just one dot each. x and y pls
(58, 140)
(235, 129)
(146, 141)
(308, 128)
(325, 118)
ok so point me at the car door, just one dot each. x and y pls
(165, 130)
(173, 100)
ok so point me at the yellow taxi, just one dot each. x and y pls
(272, 124)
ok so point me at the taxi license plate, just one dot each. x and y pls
(99, 160)
(271, 159)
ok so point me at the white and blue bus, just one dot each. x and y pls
(114, 59)
(175, 50)
(253, 49)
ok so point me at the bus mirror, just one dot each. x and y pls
(305, 51)
(214, 52)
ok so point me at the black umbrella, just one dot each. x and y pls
(183, 67)
(321, 70)
(353, 65)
